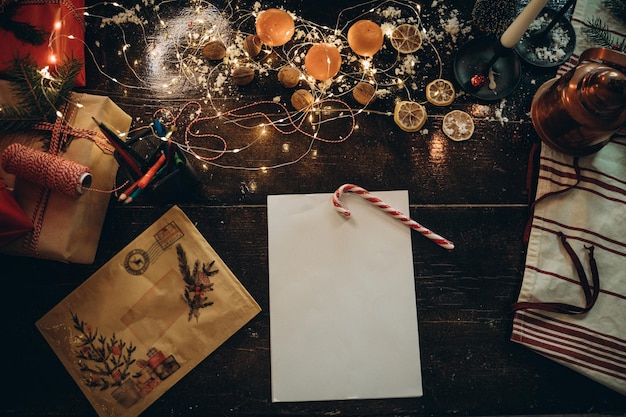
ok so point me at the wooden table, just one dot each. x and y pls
(472, 192)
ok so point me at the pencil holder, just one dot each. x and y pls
(174, 181)
(175, 184)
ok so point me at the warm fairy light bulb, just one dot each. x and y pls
(236, 150)
(59, 114)
(57, 25)
(71, 37)
(52, 59)
(45, 73)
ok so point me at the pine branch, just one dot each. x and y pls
(38, 97)
(598, 33)
(183, 265)
(617, 8)
(22, 31)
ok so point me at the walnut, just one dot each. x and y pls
(252, 45)
(289, 76)
(214, 50)
(364, 93)
(301, 99)
(243, 75)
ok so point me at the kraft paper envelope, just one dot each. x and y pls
(343, 315)
(147, 317)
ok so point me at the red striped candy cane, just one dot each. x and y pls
(351, 188)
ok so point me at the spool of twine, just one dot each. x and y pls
(51, 171)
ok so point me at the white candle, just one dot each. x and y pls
(514, 32)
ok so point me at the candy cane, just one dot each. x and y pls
(351, 188)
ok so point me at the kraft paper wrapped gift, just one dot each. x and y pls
(66, 228)
(63, 25)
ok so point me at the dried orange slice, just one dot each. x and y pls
(406, 38)
(440, 92)
(458, 125)
(409, 115)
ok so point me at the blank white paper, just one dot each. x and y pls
(343, 315)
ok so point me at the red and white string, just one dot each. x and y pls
(50, 171)
(351, 188)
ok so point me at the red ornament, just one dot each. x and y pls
(478, 80)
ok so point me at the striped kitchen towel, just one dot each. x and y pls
(572, 303)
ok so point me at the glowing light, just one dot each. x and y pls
(45, 73)
(59, 114)
(264, 170)
(236, 150)
(57, 25)
(53, 59)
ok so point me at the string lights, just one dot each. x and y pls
(174, 65)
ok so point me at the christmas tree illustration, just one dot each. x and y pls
(104, 361)
(197, 282)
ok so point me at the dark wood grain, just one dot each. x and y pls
(472, 192)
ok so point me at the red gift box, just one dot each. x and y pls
(64, 25)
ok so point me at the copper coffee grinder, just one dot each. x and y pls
(579, 112)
